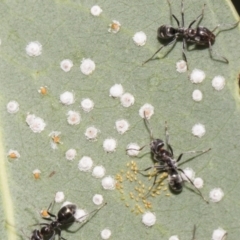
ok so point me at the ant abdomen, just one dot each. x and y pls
(166, 32)
(202, 36)
(175, 183)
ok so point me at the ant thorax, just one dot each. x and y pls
(174, 163)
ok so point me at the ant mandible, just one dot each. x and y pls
(165, 161)
(200, 35)
(64, 217)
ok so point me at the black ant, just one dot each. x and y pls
(200, 35)
(64, 217)
(165, 161)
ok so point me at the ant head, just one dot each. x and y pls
(156, 146)
(166, 32)
(66, 213)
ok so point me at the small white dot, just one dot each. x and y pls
(30, 118)
(197, 95)
(85, 164)
(218, 83)
(97, 199)
(13, 153)
(114, 27)
(149, 219)
(34, 49)
(190, 174)
(198, 182)
(13, 107)
(80, 215)
(197, 76)
(67, 98)
(174, 237)
(198, 130)
(127, 99)
(91, 133)
(108, 183)
(216, 194)
(122, 126)
(181, 66)
(106, 233)
(66, 65)
(140, 38)
(116, 91)
(73, 118)
(98, 172)
(219, 234)
(132, 149)
(59, 197)
(87, 66)
(36, 171)
(37, 124)
(87, 104)
(147, 110)
(70, 154)
(96, 10)
(109, 145)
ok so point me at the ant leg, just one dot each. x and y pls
(199, 17)
(49, 213)
(194, 232)
(144, 170)
(172, 15)
(138, 150)
(192, 152)
(230, 26)
(170, 7)
(200, 193)
(172, 42)
(219, 56)
(183, 52)
(154, 182)
(167, 139)
(40, 224)
(182, 13)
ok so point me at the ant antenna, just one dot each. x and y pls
(147, 124)
(200, 193)
(94, 211)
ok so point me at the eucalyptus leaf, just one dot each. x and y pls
(67, 30)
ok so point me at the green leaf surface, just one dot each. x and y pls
(67, 30)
